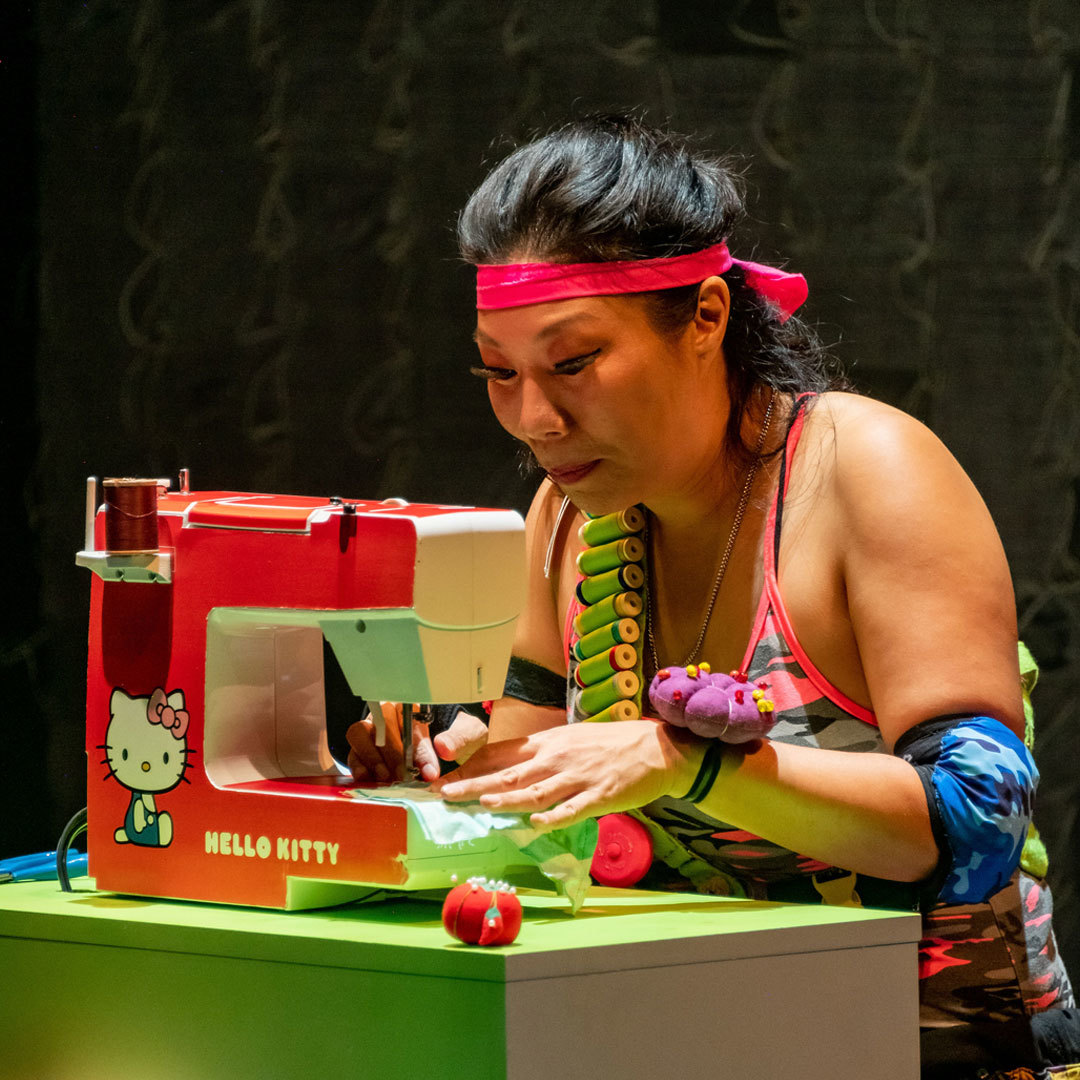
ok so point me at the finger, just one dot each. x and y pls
(514, 778)
(489, 759)
(539, 795)
(462, 739)
(567, 813)
(358, 769)
(365, 758)
(425, 760)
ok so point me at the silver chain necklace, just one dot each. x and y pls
(740, 511)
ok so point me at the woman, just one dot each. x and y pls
(823, 547)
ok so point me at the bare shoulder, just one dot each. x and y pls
(876, 459)
(549, 529)
(867, 433)
(927, 584)
(538, 634)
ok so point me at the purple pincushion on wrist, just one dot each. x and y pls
(714, 706)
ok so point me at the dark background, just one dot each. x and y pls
(228, 245)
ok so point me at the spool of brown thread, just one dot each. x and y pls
(131, 516)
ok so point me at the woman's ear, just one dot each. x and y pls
(710, 320)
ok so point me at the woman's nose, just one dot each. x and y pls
(541, 416)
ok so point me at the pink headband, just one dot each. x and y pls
(518, 284)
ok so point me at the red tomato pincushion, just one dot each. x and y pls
(480, 912)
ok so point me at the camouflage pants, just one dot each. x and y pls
(995, 961)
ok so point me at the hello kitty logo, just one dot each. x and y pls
(146, 751)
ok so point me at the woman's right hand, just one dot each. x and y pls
(368, 761)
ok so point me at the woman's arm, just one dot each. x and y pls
(538, 635)
(929, 594)
(930, 604)
(864, 812)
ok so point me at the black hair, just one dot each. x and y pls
(610, 187)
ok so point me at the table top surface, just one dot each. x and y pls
(615, 929)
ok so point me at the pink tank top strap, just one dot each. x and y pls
(772, 602)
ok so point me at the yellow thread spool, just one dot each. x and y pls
(597, 668)
(621, 710)
(623, 632)
(597, 560)
(591, 590)
(623, 684)
(602, 530)
(625, 605)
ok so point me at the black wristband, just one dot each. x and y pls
(535, 684)
(707, 774)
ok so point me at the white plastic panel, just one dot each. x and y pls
(265, 701)
(470, 568)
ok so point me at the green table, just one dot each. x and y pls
(636, 985)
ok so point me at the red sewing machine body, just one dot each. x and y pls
(209, 771)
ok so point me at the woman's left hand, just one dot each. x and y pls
(565, 774)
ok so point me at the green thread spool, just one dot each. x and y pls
(623, 632)
(590, 590)
(621, 710)
(602, 530)
(597, 668)
(627, 605)
(623, 684)
(597, 560)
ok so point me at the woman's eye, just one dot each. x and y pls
(576, 363)
(491, 374)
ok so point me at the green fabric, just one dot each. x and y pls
(1029, 676)
(1033, 858)
(562, 855)
(703, 876)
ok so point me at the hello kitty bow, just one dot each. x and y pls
(517, 284)
(159, 711)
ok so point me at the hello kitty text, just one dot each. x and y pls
(285, 848)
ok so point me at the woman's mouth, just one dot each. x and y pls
(572, 474)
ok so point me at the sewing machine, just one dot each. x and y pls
(209, 770)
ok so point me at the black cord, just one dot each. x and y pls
(72, 830)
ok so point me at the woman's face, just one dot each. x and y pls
(615, 412)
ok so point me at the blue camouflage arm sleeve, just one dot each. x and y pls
(980, 785)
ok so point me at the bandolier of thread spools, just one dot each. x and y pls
(605, 667)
